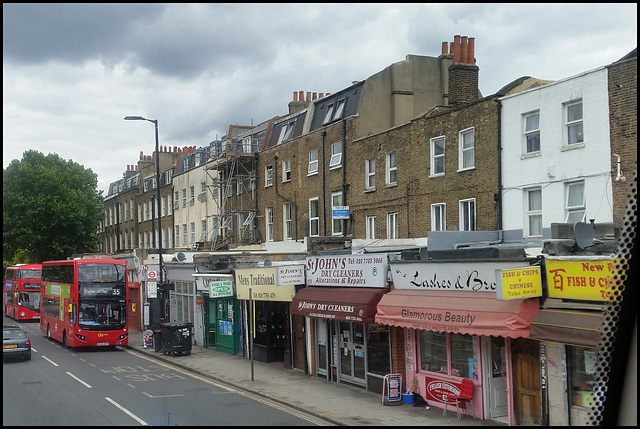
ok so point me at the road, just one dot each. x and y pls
(62, 386)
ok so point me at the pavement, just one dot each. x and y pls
(337, 403)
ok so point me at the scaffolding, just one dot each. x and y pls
(232, 169)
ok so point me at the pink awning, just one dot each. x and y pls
(463, 312)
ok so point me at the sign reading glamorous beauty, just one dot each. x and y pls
(347, 271)
(458, 276)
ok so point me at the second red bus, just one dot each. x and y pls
(22, 291)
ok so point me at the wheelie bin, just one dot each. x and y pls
(176, 338)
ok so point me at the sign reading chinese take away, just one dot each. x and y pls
(518, 283)
(580, 278)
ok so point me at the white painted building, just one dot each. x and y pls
(556, 156)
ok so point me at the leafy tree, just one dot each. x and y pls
(51, 209)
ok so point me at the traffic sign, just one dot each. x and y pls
(152, 275)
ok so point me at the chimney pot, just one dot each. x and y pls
(295, 96)
(445, 48)
(463, 50)
(315, 95)
(472, 50)
(456, 48)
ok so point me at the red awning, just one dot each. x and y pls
(568, 326)
(476, 313)
(339, 303)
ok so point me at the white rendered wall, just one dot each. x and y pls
(556, 163)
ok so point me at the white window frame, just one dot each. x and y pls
(466, 156)
(391, 169)
(533, 212)
(371, 227)
(336, 155)
(575, 204)
(192, 195)
(286, 170)
(329, 114)
(439, 217)
(268, 176)
(574, 123)
(392, 225)
(184, 234)
(145, 186)
(314, 217)
(313, 162)
(339, 109)
(287, 221)
(467, 212)
(370, 174)
(184, 197)
(269, 223)
(177, 200)
(437, 156)
(239, 185)
(336, 224)
(286, 131)
(531, 124)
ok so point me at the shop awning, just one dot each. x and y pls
(339, 303)
(568, 327)
(476, 313)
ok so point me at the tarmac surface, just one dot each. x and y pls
(338, 403)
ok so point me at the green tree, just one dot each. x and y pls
(51, 209)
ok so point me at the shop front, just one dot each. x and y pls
(569, 326)
(266, 294)
(458, 327)
(340, 302)
(222, 315)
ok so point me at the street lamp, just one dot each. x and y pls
(155, 122)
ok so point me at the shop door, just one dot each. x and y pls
(494, 371)
(225, 328)
(352, 352)
(526, 382)
(211, 323)
(297, 333)
(322, 352)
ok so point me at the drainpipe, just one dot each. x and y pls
(324, 187)
(498, 196)
(345, 185)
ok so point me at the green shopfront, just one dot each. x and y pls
(222, 313)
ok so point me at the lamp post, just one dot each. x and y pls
(155, 122)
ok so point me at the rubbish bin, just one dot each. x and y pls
(157, 340)
(176, 338)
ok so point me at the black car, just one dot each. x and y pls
(15, 343)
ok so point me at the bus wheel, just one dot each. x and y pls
(64, 339)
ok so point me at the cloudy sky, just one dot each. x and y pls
(71, 72)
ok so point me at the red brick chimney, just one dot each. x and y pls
(463, 73)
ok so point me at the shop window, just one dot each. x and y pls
(452, 354)
(378, 347)
(433, 351)
(582, 362)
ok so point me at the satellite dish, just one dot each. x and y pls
(267, 262)
(181, 256)
(202, 197)
(584, 234)
(214, 259)
(174, 259)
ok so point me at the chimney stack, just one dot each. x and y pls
(463, 72)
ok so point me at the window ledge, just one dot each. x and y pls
(572, 146)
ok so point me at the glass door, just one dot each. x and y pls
(352, 352)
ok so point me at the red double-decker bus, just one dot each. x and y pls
(84, 302)
(22, 291)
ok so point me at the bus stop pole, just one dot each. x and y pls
(251, 330)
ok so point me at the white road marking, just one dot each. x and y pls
(49, 360)
(127, 412)
(88, 386)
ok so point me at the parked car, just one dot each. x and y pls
(15, 343)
